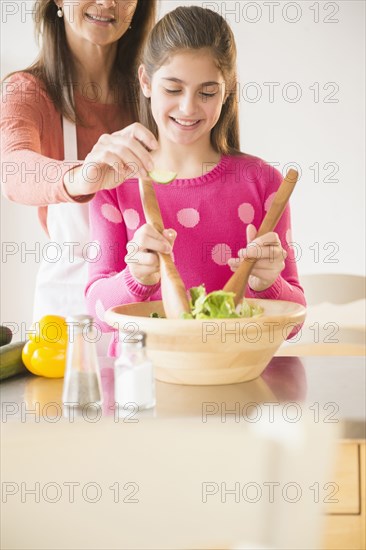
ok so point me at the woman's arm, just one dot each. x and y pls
(110, 281)
(113, 159)
(28, 176)
(31, 125)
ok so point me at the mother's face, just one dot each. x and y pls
(101, 22)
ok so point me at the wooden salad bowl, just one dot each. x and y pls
(213, 351)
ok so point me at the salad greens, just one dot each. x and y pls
(217, 305)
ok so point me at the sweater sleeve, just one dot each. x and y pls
(28, 176)
(110, 281)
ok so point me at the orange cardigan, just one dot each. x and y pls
(32, 150)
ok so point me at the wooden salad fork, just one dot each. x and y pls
(173, 290)
(239, 280)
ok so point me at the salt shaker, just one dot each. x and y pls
(133, 374)
(82, 384)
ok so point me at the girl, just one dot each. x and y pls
(68, 117)
(189, 101)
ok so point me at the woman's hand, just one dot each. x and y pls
(114, 158)
(270, 258)
(142, 257)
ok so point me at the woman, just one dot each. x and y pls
(68, 130)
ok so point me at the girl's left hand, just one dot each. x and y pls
(270, 258)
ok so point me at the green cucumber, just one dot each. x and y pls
(162, 176)
(11, 362)
(5, 335)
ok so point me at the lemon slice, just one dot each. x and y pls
(162, 176)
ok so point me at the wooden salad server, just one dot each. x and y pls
(239, 280)
(173, 291)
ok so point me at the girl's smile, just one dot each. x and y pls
(186, 125)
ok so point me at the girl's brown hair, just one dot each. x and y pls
(54, 66)
(196, 28)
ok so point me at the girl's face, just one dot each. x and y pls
(101, 22)
(187, 94)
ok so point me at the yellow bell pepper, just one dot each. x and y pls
(45, 352)
(51, 330)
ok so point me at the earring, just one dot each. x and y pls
(60, 13)
(130, 27)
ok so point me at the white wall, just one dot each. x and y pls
(316, 46)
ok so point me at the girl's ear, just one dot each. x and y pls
(144, 81)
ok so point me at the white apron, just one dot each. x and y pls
(63, 272)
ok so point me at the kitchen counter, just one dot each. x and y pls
(194, 435)
(331, 388)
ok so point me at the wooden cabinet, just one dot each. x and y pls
(345, 522)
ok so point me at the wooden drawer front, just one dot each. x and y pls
(363, 494)
(344, 483)
(347, 530)
(343, 533)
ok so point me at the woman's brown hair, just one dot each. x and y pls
(196, 28)
(54, 63)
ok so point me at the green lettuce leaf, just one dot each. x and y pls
(218, 305)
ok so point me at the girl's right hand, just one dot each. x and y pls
(142, 257)
(113, 159)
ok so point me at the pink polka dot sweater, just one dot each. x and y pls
(209, 213)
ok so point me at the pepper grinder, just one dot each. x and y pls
(82, 384)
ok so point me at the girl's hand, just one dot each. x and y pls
(113, 159)
(142, 257)
(270, 258)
